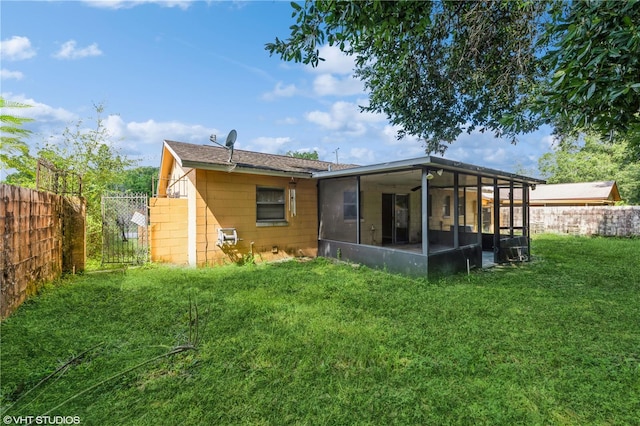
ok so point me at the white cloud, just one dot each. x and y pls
(483, 149)
(390, 137)
(48, 122)
(333, 77)
(288, 121)
(7, 74)
(335, 74)
(344, 117)
(128, 4)
(335, 62)
(152, 132)
(40, 112)
(16, 48)
(360, 156)
(268, 144)
(135, 139)
(498, 156)
(69, 51)
(548, 141)
(323, 119)
(280, 91)
(327, 84)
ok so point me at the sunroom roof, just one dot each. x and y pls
(427, 161)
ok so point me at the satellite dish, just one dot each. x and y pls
(231, 140)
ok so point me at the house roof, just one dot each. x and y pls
(210, 157)
(604, 192)
(217, 158)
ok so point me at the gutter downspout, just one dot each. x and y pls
(191, 223)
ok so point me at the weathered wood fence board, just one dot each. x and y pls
(43, 235)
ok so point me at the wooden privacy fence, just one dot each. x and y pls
(43, 235)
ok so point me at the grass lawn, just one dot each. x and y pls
(555, 341)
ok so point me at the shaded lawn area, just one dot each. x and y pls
(556, 341)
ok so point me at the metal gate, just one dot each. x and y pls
(125, 236)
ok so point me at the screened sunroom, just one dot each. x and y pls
(424, 216)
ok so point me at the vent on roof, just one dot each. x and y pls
(230, 142)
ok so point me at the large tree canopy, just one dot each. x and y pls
(435, 69)
(595, 56)
(438, 68)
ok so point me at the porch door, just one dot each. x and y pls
(395, 218)
(387, 219)
(402, 218)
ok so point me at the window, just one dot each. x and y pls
(270, 204)
(350, 210)
(461, 204)
(446, 209)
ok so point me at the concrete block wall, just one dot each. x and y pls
(228, 200)
(168, 230)
(610, 221)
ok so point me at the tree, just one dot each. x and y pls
(595, 61)
(12, 144)
(139, 179)
(299, 154)
(435, 69)
(91, 154)
(590, 158)
(438, 68)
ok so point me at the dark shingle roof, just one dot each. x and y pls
(201, 156)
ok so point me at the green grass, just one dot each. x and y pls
(555, 341)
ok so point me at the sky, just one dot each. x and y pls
(185, 70)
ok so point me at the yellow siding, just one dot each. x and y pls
(168, 230)
(371, 216)
(372, 213)
(440, 221)
(228, 200)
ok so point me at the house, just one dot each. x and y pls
(604, 193)
(576, 194)
(584, 208)
(418, 216)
